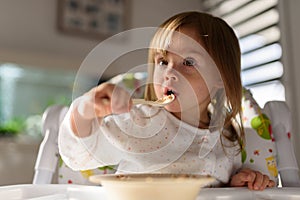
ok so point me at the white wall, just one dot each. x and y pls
(29, 35)
(290, 25)
(17, 159)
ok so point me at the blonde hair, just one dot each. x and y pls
(221, 43)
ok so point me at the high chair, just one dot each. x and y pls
(46, 162)
(268, 146)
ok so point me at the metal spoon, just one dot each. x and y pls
(165, 100)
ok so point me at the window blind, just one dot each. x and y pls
(256, 23)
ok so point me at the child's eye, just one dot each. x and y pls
(189, 62)
(162, 62)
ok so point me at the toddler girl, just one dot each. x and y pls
(196, 57)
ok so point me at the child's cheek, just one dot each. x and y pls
(158, 76)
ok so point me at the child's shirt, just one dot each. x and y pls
(150, 140)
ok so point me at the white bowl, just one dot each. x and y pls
(151, 186)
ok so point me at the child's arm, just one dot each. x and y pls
(99, 102)
(78, 146)
(254, 180)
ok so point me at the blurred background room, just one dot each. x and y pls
(44, 43)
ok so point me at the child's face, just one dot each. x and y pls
(188, 71)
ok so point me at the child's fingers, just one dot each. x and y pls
(271, 183)
(251, 177)
(254, 180)
(104, 100)
(259, 181)
(240, 179)
(251, 180)
(265, 182)
(118, 98)
(102, 107)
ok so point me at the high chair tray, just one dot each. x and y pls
(77, 192)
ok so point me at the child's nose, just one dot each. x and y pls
(171, 73)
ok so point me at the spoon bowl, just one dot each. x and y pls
(165, 100)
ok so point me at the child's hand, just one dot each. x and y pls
(104, 100)
(253, 179)
(99, 102)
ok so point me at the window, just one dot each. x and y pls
(256, 25)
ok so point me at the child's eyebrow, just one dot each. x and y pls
(161, 52)
(198, 54)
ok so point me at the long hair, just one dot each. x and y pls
(221, 43)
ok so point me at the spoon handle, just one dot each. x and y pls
(141, 101)
(152, 103)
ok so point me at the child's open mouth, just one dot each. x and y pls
(169, 92)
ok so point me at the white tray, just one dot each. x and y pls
(246, 194)
(51, 192)
(77, 192)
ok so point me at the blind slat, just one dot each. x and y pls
(260, 39)
(263, 73)
(228, 6)
(264, 55)
(249, 11)
(210, 4)
(256, 24)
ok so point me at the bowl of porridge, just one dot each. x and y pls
(151, 186)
